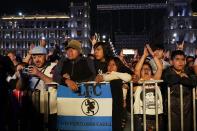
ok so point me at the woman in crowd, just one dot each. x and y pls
(144, 71)
(102, 53)
(116, 70)
(118, 75)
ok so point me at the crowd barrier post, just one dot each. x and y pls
(194, 107)
(46, 107)
(155, 82)
(144, 107)
(156, 106)
(181, 107)
(46, 94)
(169, 110)
(132, 115)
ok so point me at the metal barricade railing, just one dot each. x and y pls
(169, 110)
(43, 103)
(46, 107)
(156, 105)
(132, 116)
(47, 104)
(194, 93)
(143, 83)
(155, 82)
(182, 108)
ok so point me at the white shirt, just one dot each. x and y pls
(116, 75)
(51, 90)
(149, 99)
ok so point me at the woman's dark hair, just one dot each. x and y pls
(107, 52)
(148, 64)
(120, 66)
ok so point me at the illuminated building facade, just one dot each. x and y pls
(18, 32)
(180, 25)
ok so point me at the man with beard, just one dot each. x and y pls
(40, 73)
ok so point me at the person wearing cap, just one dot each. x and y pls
(41, 73)
(40, 66)
(159, 52)
(75, 68)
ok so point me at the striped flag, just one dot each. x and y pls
(88, 109)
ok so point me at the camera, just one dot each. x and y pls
(128, 51)
(129, 54)
(25, 70)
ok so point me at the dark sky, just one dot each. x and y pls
(31, 6)
(13, 6)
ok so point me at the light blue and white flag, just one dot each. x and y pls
(89, 109)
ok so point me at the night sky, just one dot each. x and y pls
(37, 6)
(137, 21)
(33, 6)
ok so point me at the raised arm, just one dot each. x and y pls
(180, 46)
(28, 56)
(158, 73)
(139, 65)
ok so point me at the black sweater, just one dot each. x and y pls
(78, 70)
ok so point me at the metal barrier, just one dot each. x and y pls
(182, 107)
(194, 93)
(38, 101)
(47, 103)
(143, 83)
(169, 110)
(155, 82)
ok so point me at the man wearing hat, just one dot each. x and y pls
(41, 73)
(75, 68)
(41, 70)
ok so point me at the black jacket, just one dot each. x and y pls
(102, 66)
(78, 70)
(173, 80)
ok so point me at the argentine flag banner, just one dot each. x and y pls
(89, 109)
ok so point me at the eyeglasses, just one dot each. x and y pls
(148, 69)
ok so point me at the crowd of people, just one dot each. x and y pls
(22, 79)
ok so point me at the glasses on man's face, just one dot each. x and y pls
(146, 69)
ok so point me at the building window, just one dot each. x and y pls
(79, 24)
(7, 36)
(79, 33)
(7, 45)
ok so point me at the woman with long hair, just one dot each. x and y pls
(102, 53)
(118, 75)
(144, 72)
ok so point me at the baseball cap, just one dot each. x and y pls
(39, 50)
(75, 45)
